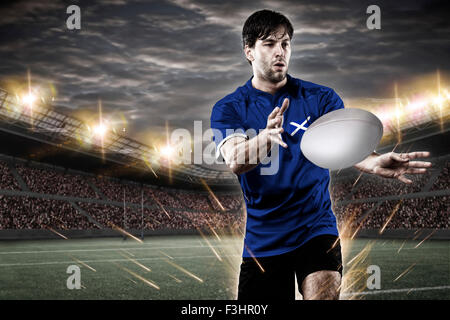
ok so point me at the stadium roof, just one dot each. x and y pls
(49, 126)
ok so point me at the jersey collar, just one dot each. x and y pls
(291, 86)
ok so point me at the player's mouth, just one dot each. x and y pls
(279, 65)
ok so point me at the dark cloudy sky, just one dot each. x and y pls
(158, 61)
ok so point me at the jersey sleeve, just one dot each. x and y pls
(226, 124)
(330, 101)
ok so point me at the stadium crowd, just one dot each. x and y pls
(177, 209)
(443, 180)
(47, 181)
(156, 219)
(7, 180)
(340, 190)
(216, 220)
(370, 186)
(411, 214)
(35, 213)
(348, 216)
(53, 182)
(116, 191)
(179, 199)
(228, 202)
(162, 197)
(432, 212)
(194, 201)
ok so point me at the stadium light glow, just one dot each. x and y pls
(439, 100)
(29, 99)
(167, 151)
(100, 130)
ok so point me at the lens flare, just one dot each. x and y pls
(167, 151)
(29, 99)
(100, 130)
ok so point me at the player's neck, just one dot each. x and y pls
(267, 86)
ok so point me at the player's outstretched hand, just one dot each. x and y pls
(396, 165)
(274, 126)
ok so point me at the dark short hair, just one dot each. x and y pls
(262, 24)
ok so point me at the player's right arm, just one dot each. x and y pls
(242, 155)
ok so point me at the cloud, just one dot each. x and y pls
(170, 61)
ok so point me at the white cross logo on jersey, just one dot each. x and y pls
(299, 126)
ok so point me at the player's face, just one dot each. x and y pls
(271, 56)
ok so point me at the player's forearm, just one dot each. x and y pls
(367, 164)
(248, 154)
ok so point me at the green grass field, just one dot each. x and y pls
(192, 267)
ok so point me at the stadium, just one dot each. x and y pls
(138, 227)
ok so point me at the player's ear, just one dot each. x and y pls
(249, 53)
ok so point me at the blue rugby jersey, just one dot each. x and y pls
(292, 206)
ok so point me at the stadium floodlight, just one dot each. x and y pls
(167, 151)
(438, 100)
(29, 99)
(100, 130)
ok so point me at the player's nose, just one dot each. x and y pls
(279, 51)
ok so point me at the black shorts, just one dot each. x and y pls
(277, 282)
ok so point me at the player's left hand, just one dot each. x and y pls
(396, 165)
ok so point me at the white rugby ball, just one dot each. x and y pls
(341, 138)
